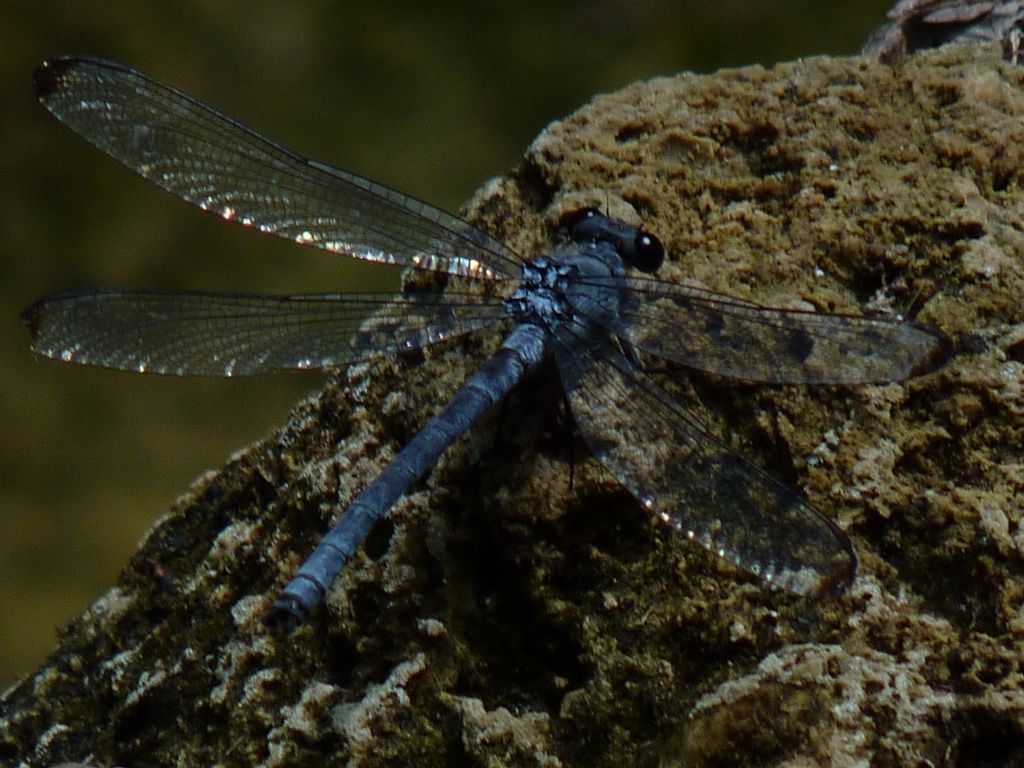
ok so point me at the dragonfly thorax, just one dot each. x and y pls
(540, 296)
(552, 286)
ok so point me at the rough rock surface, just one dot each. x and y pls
(501, 618)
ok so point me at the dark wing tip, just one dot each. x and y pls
(840, 580)
(940, 354)
(50, 74)
(32, 316)
(825, 571)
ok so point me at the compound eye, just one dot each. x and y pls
(648, 252)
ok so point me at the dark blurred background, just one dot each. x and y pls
(432, 98)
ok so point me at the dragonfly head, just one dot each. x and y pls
(639, 248)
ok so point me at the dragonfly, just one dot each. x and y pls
(592, 304)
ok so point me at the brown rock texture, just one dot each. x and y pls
(501, 617)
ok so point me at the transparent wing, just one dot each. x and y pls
(687, 477)
(218, 334)
(731, 337)
(218, 164)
